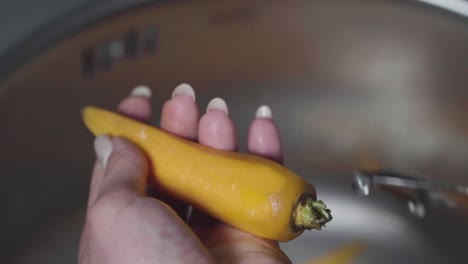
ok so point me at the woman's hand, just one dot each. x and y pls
(126, 223)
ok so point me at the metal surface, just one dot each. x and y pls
(353, 86)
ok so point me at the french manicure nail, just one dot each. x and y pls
(185, 89)
(263, 112)
(141, 90)
(217, 104)
(103, 149)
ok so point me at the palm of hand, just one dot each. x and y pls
(124, 225)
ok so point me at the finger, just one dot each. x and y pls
(216, 130)
(180, 113)
(180, 117)
(263, 138)
(227, 243)
(126, 168)
(137, 105)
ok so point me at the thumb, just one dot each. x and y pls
(126, 168)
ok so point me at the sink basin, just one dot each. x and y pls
(353, 86)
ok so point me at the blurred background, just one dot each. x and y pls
(379, 86)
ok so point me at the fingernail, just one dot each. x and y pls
(184, 89)
(141, 90)
(103, 149)
(217, 104)
(263, 112)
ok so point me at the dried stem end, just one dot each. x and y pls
(310, 214)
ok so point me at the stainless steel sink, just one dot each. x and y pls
(361, 85)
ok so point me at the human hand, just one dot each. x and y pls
(126, 224)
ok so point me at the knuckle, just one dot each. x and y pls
(128, 160)
(107, 207)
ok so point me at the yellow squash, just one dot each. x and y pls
(346, 254)
(249, 192)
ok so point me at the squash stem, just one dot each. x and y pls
(310, 214)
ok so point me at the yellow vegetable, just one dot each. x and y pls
(251, 193)
(346, 254)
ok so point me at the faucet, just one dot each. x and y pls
(419, 193)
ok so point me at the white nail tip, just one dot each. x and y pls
(103, 149)
(184, 89)
(217, 104)
(141, 90)
(263, 112)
